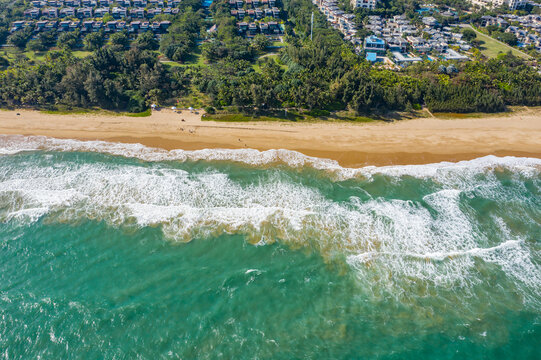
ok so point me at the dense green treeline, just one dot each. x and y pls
(319, 74)
(107, 79)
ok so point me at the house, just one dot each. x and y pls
(51, 25)
(64, 25)
(135, 26)
(243, 27)
(101, 12)
(40, 25)
(110, 26)
(451, 54)
(72, 3)
(138, 13)
(418, 43)
(397, 44)
(89, 3)
(374, 44)
(486, 20)
(67, 12)
(156, 3)
(105, 3)
(153, 12)
(74, 25)
(119, 13)
(252, 29)
(38, 4)
(84, 13)
(274, 27)
(124, 3)
(145, 26)
(96, 26)
(140, 3)
(401, 59)
(164, 25)
(430, 21)
(32, 13)
(87, 26)
(50, 13)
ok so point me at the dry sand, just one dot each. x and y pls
(416, 141)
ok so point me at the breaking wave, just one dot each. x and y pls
(394, 225)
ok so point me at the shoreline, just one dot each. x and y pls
(403, 142)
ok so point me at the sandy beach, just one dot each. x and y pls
(415, 141)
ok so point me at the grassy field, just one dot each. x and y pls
(510, 111)
(276, 57)
(492, 47)
(81, 54)
(38, 56)
(77, 111)
(248, 118)
(195, 59)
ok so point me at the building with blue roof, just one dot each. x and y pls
(374, 44)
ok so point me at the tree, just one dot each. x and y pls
(94, 41)
(146, 41)
(468, 34)
(68, 40)
(508, 38)
(35, 45)
(261, 42)
(4, 62)
(120, 39)
(20, 38)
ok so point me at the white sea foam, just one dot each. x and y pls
(437, 240)
(11, 144)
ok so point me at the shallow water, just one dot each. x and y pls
(120, 251)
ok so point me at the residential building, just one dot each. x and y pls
(374, 44)
(512, 4)
(366, 4)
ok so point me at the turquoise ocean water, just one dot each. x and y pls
(120, 251)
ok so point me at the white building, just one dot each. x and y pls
(367, 4)
(512, 4)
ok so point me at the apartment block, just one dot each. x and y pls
(366, 4)
(512, 4)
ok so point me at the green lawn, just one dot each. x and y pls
(491, 48)
(195, 59)
(38, 56)
(81, 54)
(78, 111)
(276, 57)
(12, 53)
